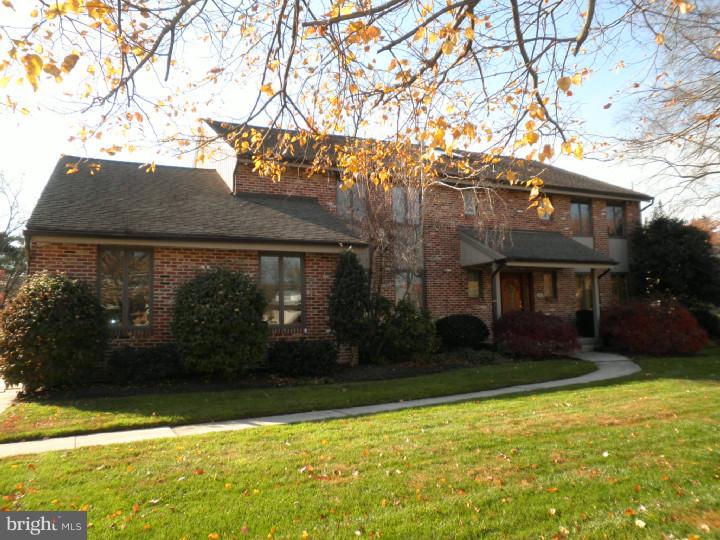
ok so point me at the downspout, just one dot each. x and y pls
(652, 201)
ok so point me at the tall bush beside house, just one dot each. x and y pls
(349, 301)
(52, 333)
(218, 323)
(673, 258)
(657, 327)
(531, 334)
(397, 332)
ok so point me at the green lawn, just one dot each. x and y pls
(639, 458)
(33, 420)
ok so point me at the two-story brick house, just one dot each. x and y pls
(137, 235)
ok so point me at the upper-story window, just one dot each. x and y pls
(124, 286)
(580, 220)
(615, 220)
(406, 205)
(469, 202)
(350, 202)
(281, 282)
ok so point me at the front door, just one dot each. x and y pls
(515, 292)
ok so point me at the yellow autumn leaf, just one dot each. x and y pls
(578, 152)
(469, 33)
(447, 46)
(8, 4)
(69, 62)
(4, 81)
(532, 137)
(51, 69)
(564, 83)
(267, 89)
(576, 79)
(660, 39)
(33, 66)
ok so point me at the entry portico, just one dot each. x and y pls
(515, 259)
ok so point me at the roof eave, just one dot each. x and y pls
(132, 235)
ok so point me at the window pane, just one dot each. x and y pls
(270, 286)
(292, 290)
(469, 202)
(616, 220)
(343, 201)
(575, 218)
(580, 219)
(550, 285)
(585, 219)
(413, 203)
(358, 202)
(138, 264)
(408, 286)
(474, 284)
(399, 206)
(111, 285)
(583, 293)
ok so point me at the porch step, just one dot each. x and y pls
(587, 344)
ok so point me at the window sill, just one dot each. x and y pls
(126, 333)
(287, 330)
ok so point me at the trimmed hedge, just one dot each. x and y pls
(462, 331)
(52, 333)
(532, 334)
(218, 323)
(302, 358)
(658, 327)
(158, 363)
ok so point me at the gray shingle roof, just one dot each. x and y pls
(554, 177)
(123, 200)
(546, 247)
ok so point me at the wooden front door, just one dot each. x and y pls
(515, 292)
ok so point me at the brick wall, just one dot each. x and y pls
(174, 266)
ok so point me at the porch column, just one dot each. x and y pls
(496, 293)
(596, 303)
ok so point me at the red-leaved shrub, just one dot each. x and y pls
(531, 334)
(652, 327)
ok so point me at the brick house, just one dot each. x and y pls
(136, 236)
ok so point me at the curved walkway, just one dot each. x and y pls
(610, 366)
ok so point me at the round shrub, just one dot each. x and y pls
(52, 333)
(531, 334)
(462, 331)
(218, 323)
(656, 327)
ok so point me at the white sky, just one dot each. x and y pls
(32, 144)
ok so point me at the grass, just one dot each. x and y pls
(638, 458)
(37, 419)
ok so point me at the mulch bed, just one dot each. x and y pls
(344, 374)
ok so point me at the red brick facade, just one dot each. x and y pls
(445, 281)
(174, 266)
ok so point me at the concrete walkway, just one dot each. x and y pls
(610, 366)
(7, 395)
